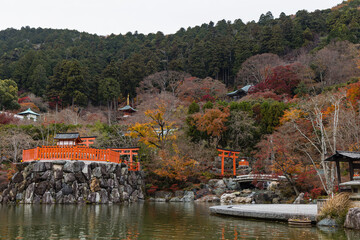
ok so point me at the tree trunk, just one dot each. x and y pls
(109, 113)
(292, 183)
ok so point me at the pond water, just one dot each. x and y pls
(145, 221)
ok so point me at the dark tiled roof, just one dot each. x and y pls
(344, 156)
(67, 136)
(349, 154)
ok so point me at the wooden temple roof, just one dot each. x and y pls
(67, 136)
(344, 156)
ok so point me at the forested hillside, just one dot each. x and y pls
(41, 60)
(302, 107)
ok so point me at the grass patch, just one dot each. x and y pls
(336, 208)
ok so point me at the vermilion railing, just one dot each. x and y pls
(82, 153)
(71, 153)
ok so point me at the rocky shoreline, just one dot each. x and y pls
(225, 191)
(70, 182)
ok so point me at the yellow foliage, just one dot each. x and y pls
(157, 131)
(291, 115)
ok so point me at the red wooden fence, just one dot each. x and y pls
(82, 153)
(71, 153)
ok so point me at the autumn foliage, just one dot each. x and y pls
(157, 130)
(175, 165)
(196, 89)
(6, 118)
(212, 121)
(353, 94)
(282, 80)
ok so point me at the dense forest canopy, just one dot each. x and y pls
(70, 65)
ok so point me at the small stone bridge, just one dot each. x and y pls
(259, 178)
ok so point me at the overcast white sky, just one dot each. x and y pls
(104, 17)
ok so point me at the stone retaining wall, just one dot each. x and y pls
(73, 182)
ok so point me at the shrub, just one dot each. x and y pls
(6, 118)
(336, 208)
(316, 192)
(152, 189)
(10, 171)
(207, 98)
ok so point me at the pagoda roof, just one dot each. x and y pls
(127, 108)
(29, 111)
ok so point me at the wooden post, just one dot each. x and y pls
(131, 157)
(222, 163)
(234, 164)
(37, 153)
(351, 169)
(338, 171)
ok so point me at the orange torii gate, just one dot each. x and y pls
(132, 151)
(87, 141)
(223, 153)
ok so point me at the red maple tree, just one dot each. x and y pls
(283, 80)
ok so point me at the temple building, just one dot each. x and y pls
(127, 110)
(67, 139)
(29, 114)
(237, 94)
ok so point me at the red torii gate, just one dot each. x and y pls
(87, 141)
(131, 151)
(223, 153)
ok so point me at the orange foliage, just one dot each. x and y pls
(175, 166)
(212, 121)
(26, 105)
(354, 147)
(329, 110)
(353, 93)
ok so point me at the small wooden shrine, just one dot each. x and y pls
(67, 139)
(226, 153)
(353, 160)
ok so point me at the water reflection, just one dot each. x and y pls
(144, 221)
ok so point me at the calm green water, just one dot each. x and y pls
(144, 221)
